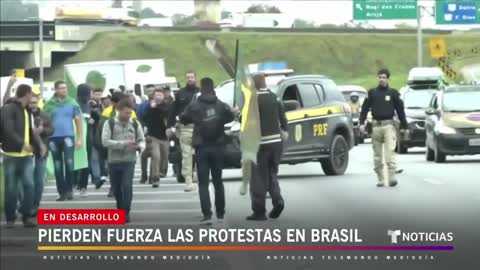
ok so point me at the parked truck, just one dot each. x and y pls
(130, 74)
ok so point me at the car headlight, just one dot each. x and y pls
(444, 129)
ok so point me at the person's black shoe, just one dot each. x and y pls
(156, 184)
(29, 223)
(206, 220)
(69, 196)
(127, 219)
(257, 217)
(393, 183)
(276, 211)
(380, 184)
(399, 171)
(143, 179)
(99, 184)
(110, 193)
(61, 198)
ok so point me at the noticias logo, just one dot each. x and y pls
(397, 235)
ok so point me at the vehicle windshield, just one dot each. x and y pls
(467, 100)
(361, 95)
(419, 99)
(225, 92)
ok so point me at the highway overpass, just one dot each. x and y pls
(20, 46)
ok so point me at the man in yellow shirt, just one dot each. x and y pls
(18, 143)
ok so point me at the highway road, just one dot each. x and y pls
(430, 197)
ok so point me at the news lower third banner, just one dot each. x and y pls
(102, 235)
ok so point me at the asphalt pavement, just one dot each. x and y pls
(430, 197)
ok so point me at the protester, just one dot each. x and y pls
(209, 116)
(81, 175)
(18, 143)
(156, 118)
(123, 136)
(141, 109)
(97, 164)
(44, 129)
(110, 113)
(273, 123)
(65, 113)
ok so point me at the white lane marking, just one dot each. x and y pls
(113, 202)
(165, 211)
(135, 193)
(433, 181)
(134, 185)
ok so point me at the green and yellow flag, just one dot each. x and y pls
(245, 98)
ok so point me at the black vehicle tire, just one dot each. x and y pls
(439, 156)
(337, 162)
(429, 154)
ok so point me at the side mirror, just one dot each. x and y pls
(431, 111)
(291, 105)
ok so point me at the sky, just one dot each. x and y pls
(319, 12)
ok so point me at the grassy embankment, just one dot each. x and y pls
(347, 58)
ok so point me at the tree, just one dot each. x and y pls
(117, 4)
(182, 20)
(149, 13)
(404, 26)
(328, 26)
(299, 23)
(17, 10)
(263, 9)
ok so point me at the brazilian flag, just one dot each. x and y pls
(250, 135)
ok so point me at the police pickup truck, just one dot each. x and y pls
(319, 123)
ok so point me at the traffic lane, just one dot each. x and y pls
(353, 201)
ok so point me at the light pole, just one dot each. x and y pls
(420, 33)
(40, 45)
(419, 37)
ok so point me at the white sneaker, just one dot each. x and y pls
(190, 188)
(243, 189)
(83, 193)
(104, 178)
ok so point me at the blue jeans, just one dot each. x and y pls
(18, 170)
(39, 174)
(62, 149)
(121, 176)
(97, 165)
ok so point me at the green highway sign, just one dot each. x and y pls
(385, 9)
(457, 11)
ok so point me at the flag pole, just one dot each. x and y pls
(235, 78)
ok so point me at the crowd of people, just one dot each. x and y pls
(100, 138)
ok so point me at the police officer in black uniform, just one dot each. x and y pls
(273, 125)
(384, 101)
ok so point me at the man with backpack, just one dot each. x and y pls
(209, 115)
(123, 137)
(109, 113)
